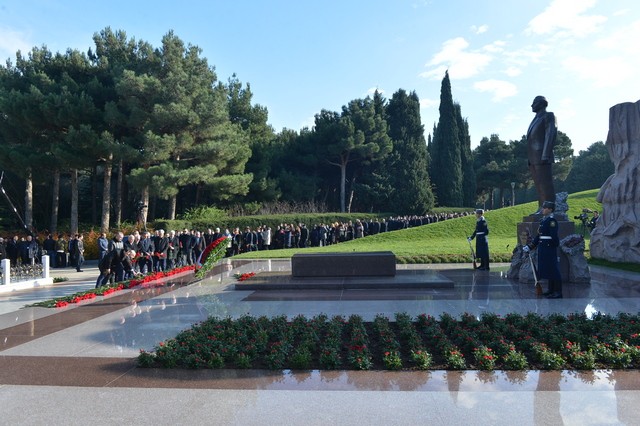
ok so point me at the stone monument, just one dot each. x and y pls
(616, 236)
(541, 138)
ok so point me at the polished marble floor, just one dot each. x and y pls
(53, 359)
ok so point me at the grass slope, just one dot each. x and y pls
(446, 241)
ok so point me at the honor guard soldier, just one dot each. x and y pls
(547, 243)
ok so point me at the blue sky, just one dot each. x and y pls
(301, 57)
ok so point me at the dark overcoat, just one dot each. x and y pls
(480, 235)
(547, 242)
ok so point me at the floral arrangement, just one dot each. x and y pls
(146, 281)
(513, 342)
(245, 276)
(210, 256)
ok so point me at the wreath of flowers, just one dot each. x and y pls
(146, 281)
(210, 256)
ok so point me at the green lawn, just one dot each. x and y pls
(446, 241)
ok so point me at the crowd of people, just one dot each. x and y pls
(123, 256)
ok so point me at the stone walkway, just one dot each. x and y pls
(77, 365)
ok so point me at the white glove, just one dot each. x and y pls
(469, 239)
(526, 249)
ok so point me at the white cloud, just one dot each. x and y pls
(528, 54)
(566, 109)
(565, 18)
(621, 12)
(479, 30)
(12, 41)
(495, 47)
(603, 72)
(513, 71)
(501, 89)
(454, 57)
(624, 40)
(508, 119)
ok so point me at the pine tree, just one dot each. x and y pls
(446, 170)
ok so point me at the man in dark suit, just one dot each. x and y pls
(145, 262)
(161, 246)
(541, 138)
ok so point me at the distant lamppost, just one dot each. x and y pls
(513, 193)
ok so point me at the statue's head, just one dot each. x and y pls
(539, 102)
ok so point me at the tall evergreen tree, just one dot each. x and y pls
(407, 165)
(189, 140)
(446, 169)
(253, 121)
(358, 135)
(114, 53)
(468, 172)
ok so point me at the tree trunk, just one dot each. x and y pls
(493, 197)
(353, 182)
(173, 201)
(94, 194)
(343, 180)
(144, 208)
(106, 195)
(28, 200)
(74, 202)
(151, 213)
(119, 189)
(55, 201)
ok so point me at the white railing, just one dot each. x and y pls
(35, 273)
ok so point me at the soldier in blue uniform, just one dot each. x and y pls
(482, 244)
(547, 242)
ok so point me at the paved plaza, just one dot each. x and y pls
(76, 365)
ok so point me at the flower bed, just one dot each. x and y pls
(146, 281)
(513, 342)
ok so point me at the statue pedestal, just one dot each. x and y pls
(528, 229)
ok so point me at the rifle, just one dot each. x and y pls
(473, 256)
(535, 277)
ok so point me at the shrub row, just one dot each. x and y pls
(513, 342)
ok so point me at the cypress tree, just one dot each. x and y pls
(446, 170)
(408, 164)
(468, 173)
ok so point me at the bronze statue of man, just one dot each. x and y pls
(541, 138)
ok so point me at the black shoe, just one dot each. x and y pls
(79, 270)
(547, 293)
(554, 296)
